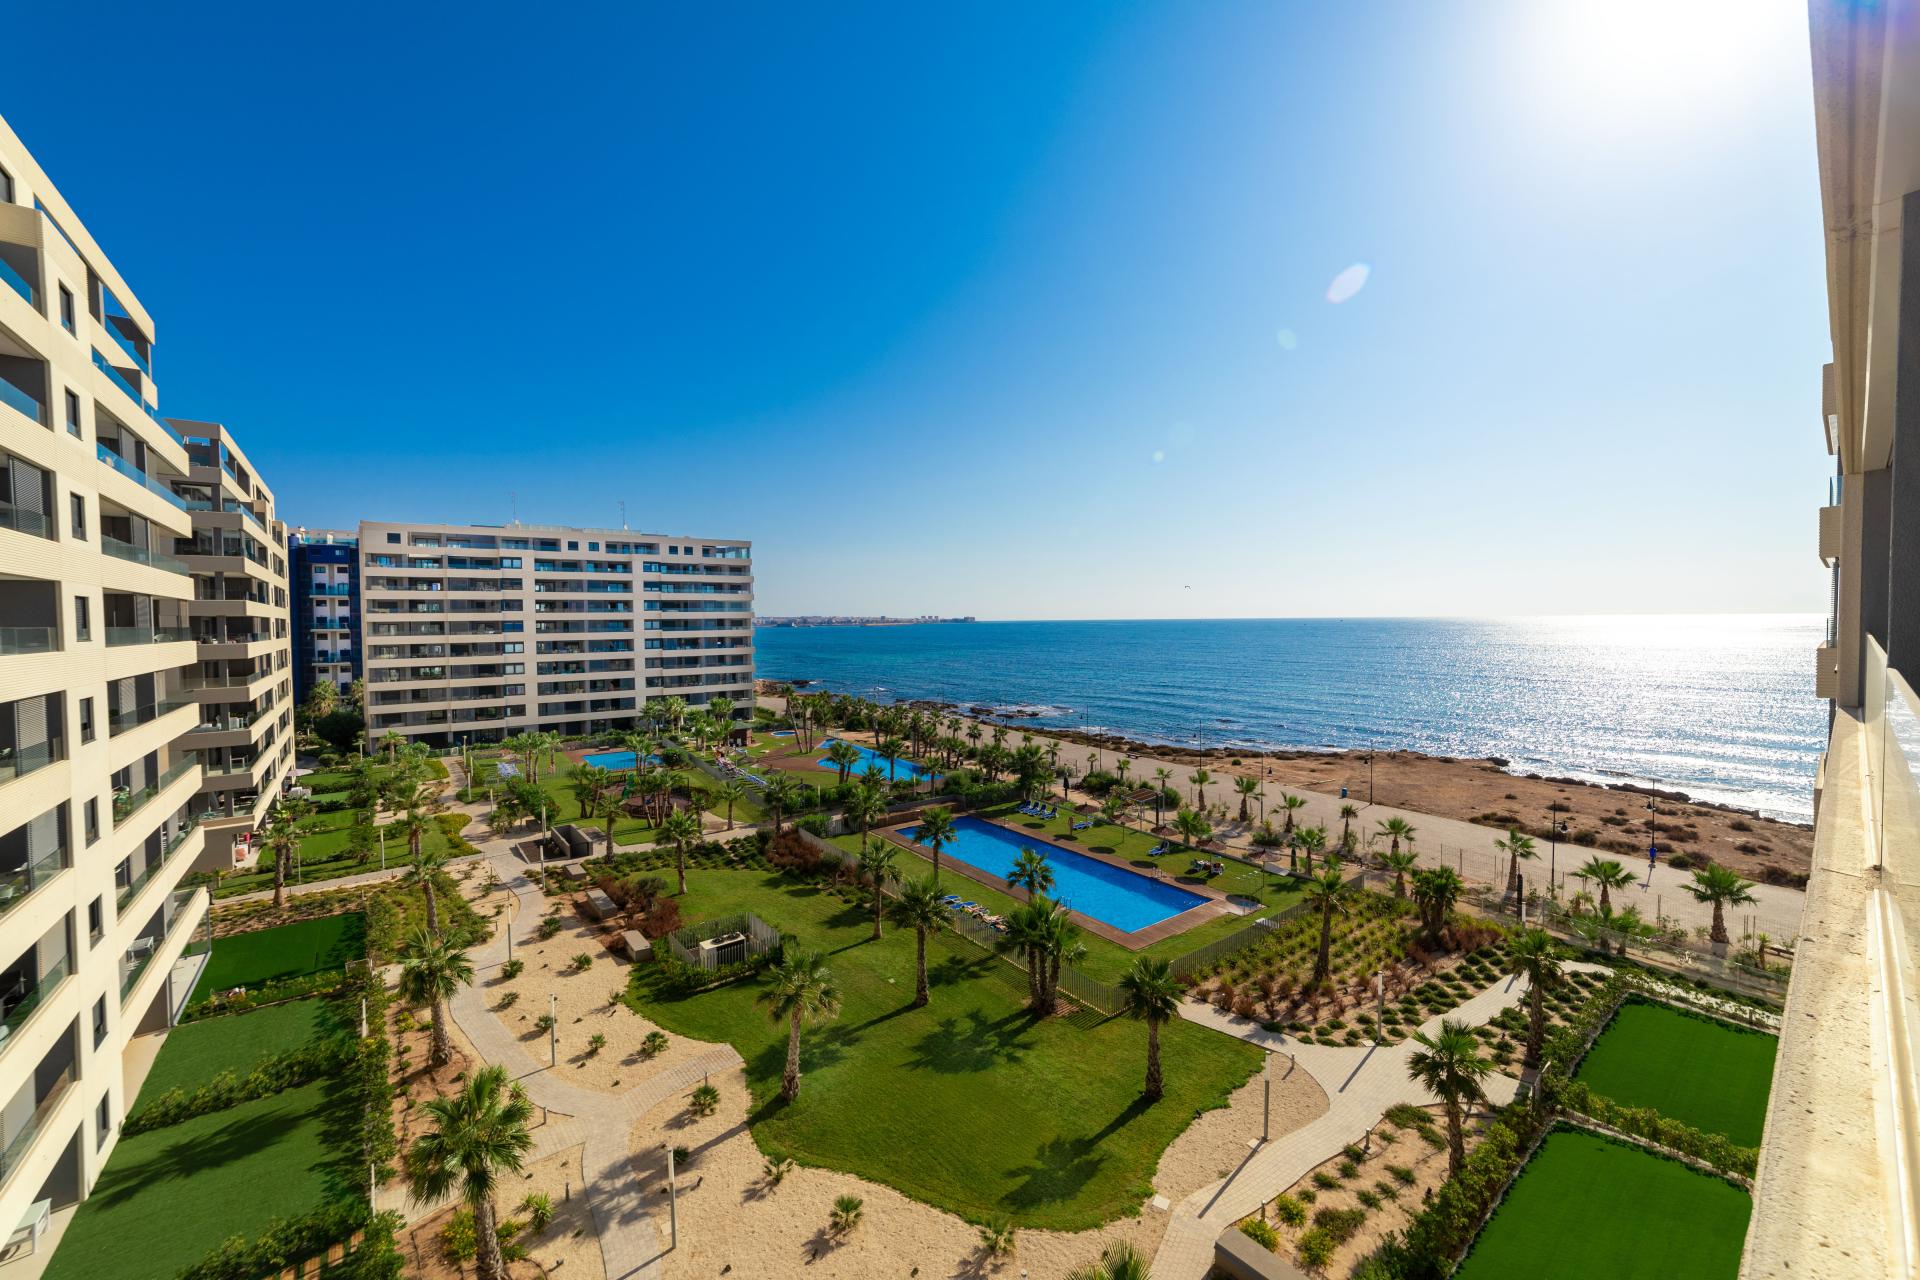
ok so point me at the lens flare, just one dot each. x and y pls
(1287, 339)
(1348, 283)
(1159, 455)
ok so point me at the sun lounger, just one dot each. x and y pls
(1081, 826)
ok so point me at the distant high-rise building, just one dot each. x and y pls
(324, 574)
(477, 632)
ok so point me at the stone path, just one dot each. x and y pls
(1360, 1083)
(632, 1244)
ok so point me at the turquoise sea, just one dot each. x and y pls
(1718, 706)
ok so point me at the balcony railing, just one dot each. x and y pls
(141, 555)
(17, 884)
(24, 1008)
(223, 682)
(138, 476)
(118, 722)
(117, 636)
(14, 640)
(141, 953)
(131, 889)
(126, 804)
(126, 344)
(22, 1140)
(18, 762)
(19, 399)
(105, 366)
(17, 282)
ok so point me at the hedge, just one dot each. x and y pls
(281, 1071)
(1645, 1122)
(289, 1243)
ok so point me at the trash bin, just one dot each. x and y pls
(1343, 793)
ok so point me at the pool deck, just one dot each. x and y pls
(1215, 905)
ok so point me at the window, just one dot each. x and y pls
(105, 1116)
(86, 719)
(99, 1020)
(96, 921)
(393, 537)
(82, 621)
(66, 310)
(73, 414)
(92, 810)
(6, 186)
(78, 504)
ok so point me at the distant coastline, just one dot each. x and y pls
(851, 620)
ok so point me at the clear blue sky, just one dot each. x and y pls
(1014, 310)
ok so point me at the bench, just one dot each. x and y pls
(600, 904)
(635, 944)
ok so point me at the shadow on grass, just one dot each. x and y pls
(973, 1044)
(1061, 1167)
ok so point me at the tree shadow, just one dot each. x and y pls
(975, 1043)
(955, 969)
(1060, 1168)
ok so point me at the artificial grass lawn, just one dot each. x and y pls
(1690, 1068)
(285, 951)
(1589, 1208)
(169, 1196)
(323, 854)
(196, 1051)
(1106, 961)
(969, 1104)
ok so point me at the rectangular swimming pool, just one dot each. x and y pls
(614, 759)
(903, 770)
(1112, 895)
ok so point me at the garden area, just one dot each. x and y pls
(1039, 1120)
(1705, 1073)
(1655, 1217)
(305, 947)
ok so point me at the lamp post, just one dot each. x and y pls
(553, 1029)
(1556, 828)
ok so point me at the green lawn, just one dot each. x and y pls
(1690, 1068)
(170, 1195)
(1589, 1208)
(195, 1051)
(285, 951)
(565, 803)
(1105, 960)
(323, 854)
(969, 1104)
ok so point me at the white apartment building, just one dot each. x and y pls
(243, 681)
(99, 786)
(478, 632)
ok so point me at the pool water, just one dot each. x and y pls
(1112, 895)
(615, 759)
(902, 770)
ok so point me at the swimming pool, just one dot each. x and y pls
(614, 759)
(1112, 895)
(903, 770)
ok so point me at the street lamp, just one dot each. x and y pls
(1556, 827)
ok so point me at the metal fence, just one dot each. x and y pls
(685, 943)
(1210, 953)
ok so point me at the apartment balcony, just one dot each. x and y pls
(120, 721)
(128, 803)
(165, 936)
(1829, 534)
(18, 399)
(45, 1117)
(142, 555)
(120, 466)
(127, 893)
(217, 686)
(12, 279)
(23, 640)
(39, 970)
(1826, 672)
(136, 398)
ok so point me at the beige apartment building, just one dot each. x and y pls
(99, 783)
(1838, 1191)
(471, 633)
(242, 684)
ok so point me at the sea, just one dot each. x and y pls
(1718, 706)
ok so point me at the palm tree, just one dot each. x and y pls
(1609, 875)
(1347, 814)
(1329, 893)
(1161, 777)
(431, 970)
(1435, 891)
(731, 792)
(781, 795)
(1121, 1261)
(476, 1135)
(1312, 840)
(1516, 847)
(842, 756)
(877, 864)
(1396, 830)
(1031, 872)
(424, 870)
(1194, 829)
(1199, 778)
(680, 829)
(1535, 956)
(799, 989)
(1121, 766)
(1031, 932)
(920, 908)
(1246, 788)
(1449, 1065)
(1720, 886)
(1060, 946)
(1292, 804)
(936, 831)
(1148, 992)
(282, 841)
(1402, 865)
(863, 807)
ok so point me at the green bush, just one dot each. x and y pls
(513, 969)
(1339, 1224)
(1260, 1233)
(549, 927)
(1289, 1210)
(1315, 1250)
(538, 1206)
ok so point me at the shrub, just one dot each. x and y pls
(776, 1171)
(654, 1044)
(458, 1239)
(1432, 1137)
(846, 1214)
(1339, 1224)
(543, 1023)
(1315, 1250)
(1325, 1181)
(1289, 1210)
(1401, 1174)
(513, 969)
(508, 999)
(1261, 1233)
(705, 1100)
(549, 927)
(996, 1237)
(1371, 1199)
(582, 962)
(595, 1043)
(1347, 1168)
(538, 1206)
(1407, 1116)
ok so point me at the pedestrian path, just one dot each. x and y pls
(1361, 1083)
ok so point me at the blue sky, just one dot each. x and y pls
(1011, 310)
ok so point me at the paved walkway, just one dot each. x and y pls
(632, 1244)
(1360, 1084)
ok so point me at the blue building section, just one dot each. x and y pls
(323, 575)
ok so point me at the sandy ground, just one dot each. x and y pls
(733, 1222)
(584, 1003)
(567, 1248)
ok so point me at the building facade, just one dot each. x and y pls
(1838, 1189)
(324, 577)
(243, 681)
(99, 783)
(478, 632)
